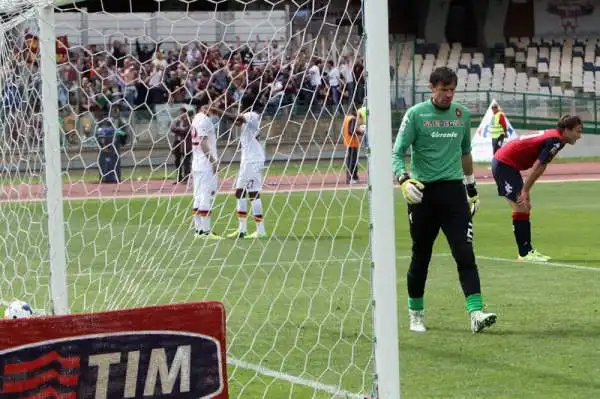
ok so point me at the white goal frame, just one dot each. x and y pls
(384, 293)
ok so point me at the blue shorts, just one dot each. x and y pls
(508, 180)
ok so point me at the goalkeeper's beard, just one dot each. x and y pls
(442, 103)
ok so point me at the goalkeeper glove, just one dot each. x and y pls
(412, 190)
(472, 194)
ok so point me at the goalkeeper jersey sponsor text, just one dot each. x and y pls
(437, 138)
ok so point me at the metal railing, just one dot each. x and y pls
(530, 111)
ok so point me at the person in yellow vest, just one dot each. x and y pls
(353, 134)
(362, 123)
(499, 128)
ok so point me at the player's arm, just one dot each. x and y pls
(362, 124)
(205, 147)
(467, 165)
(411, 188)
(236, 118)
(550, 148)
(230, 115)
(503, 123)
(466, 148)
(354, 128)
(200, 139)
(404, 139)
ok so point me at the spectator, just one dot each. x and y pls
(182, 145)
(333, 80)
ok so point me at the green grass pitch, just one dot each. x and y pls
(299, 303)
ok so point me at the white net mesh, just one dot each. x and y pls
(298, 302)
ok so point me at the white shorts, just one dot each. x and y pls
(250, 177)
(205, 187)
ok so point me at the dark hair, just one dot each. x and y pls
(443, 75)
(250, 101)
(568, 122)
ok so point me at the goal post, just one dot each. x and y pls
(383, 242)
(311, 306)
(52, 166)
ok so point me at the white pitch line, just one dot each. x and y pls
(147, 195)
(515, 261)
(317, 386)
(312, 188)
(550, 264)
(181, 269)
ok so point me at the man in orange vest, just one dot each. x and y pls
(353, 134)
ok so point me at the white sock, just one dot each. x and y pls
(205, 221)
(197, 222)
(242, 210)
(258, 216)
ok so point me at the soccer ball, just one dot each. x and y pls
(18, 310)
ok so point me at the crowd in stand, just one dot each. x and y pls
(126, 77)
(117, 81)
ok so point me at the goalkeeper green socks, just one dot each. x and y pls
(474, 302)
(415, 304)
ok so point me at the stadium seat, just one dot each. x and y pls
(573, 65)
(533, 86)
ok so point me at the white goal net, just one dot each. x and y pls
(298, 294)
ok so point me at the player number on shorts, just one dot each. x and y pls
(470, 232)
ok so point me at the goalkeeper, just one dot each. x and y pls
(439, 133)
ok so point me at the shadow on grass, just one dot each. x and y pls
(482, 362)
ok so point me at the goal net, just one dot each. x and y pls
(298, 298)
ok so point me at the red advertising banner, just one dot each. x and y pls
(172, 351)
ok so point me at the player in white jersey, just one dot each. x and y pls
(204, 171)
(250, 179)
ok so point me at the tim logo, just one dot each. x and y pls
(147, 364)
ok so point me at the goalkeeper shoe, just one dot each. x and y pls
(481, 320)
(237, 234)
(256, 235)
(417, 321)
(534, 256)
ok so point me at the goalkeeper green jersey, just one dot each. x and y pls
(438, 139)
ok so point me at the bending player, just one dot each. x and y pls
(533, 151)
(204, 171)
(249, 180)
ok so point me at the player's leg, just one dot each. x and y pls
(241, 203)
(424, 227)
(196, 186)
(495, 146)
(458, 228)
(348, 164)
(254, 187)
(510, 183)
(355, 165)
(241, 211)
(208, 188)
(187, 165)
(177, 158)
(257, 210)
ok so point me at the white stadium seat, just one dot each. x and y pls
(571, 68)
